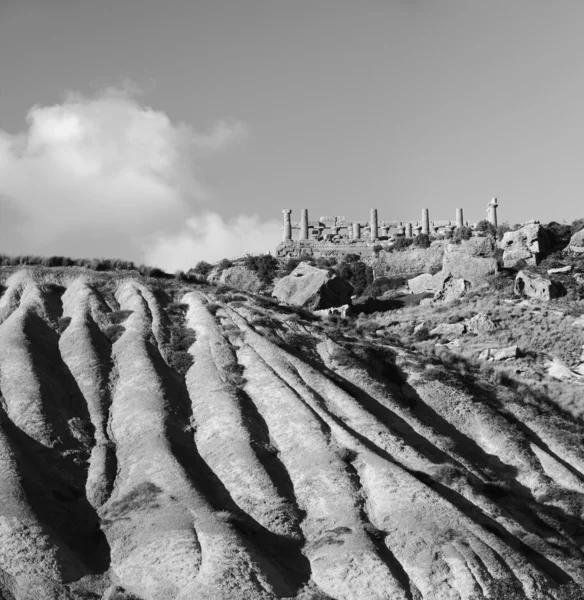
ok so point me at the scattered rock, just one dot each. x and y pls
(565, 269)
(579, 322)
(558, 370)
(577, 242)
(449, 329)
(579, 279)
(241, 278)
(341, 311)
(499, 353)
(453, 289)
(420, 326)
(529, 244)
(472, 260)
(454, 345)
(313, 288)
(480, 323)
(535, 286)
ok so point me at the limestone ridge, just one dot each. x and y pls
(283, 464)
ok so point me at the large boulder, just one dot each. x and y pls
(472, 260)
(313, 288)
(480, 323)
(577, 242)
(529, 244)
(453, 289)
(535, 286)
(499, 353)
(425, 283)
(241, 278)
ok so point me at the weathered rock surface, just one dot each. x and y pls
(449, 329)
(499, 353)
(302, 470)
(472, 260)
(480, 323)
(410, 262)
(452, 289)
(313, 288)
(536, 287)
(529, 244)
(241, 278)
(577, 242)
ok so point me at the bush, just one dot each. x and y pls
(486, 227)
(203, 268)
(422, 334)
(381, 285)
(502, 229)
(357, 273)
(213, 308)
(350, 258)
(181, 361)
(224, 264)
(462, 234)
(265, 265)
(401, 243)
(422, 241)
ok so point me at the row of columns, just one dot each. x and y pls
(374, 223)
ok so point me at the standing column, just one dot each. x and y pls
(409, 232)
(287, 235)
(426, 221)
(356, 231)
(374, 225)
(492, 212)
(304, 224)
(459, 218)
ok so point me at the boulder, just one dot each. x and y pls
(425, 283)
(560, 270)
(341, 311)
(529, 244)
(449, 329)
(472, 260)
(241, 278)
(577, 242)
(499, 353)
(453, 289)
(480, 323)
(535, 286)
(557, 369)
(313, 288)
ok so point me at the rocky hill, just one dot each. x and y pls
(162, 440)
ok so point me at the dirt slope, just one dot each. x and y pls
(261, 459)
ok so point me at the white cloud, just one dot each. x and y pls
(106, 176)
(208, 237)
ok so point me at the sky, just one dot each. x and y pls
(177, 131)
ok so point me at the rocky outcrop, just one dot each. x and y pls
(472, 260)
(313, 288)
(241, 278)
(425, 283)
(576, 244)
(410, 262)
(527, 245)
(452, 289)
(480, 323)
(497, 354)
(536, 287)
(276, 463)
(449, 329)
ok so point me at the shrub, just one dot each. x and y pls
(560, 233)
(462, 234)
(350, 258)
(422, 335)
(224, 264)
(422, 241)
(502, 229)
(486, 227)
(203, 268)
(381, 285)
(213, 308)
(265, 265)
(401, 243)
(357, 273)
(377, 249)
(181, 361)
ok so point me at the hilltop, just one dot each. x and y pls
(163, 438)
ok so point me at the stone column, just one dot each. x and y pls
(459, 218)
(287, 235)
(374, 225)
(356, 231)
(304, 224)
(426, 221)
(409, 233)
(492, 212)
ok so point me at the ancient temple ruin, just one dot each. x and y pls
(334, 236)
